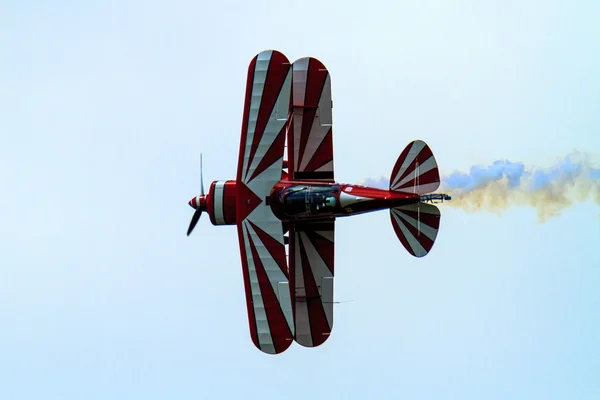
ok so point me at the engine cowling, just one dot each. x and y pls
(221, 203)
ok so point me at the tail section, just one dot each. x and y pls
(417, 226)
(416, 170)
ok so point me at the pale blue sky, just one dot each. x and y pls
(105, 107)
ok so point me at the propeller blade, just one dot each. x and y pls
(201, 180)
(194, 220)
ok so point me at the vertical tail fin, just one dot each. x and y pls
(416, 226)
(416, 170)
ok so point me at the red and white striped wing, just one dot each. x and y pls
(260, 233)
(310, 135)
(311, 276)
(416, 170)
(417, 226)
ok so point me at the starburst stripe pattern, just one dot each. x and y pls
(416, 170)
(264, 263)
(310, 135)
(311, 276)
(416, 226)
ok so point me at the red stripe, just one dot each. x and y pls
(247, 288)
(315, 81)
(319, 327)
(324, 153)
(290, 141)
(276, 249)
(399, 162)
(229, 200)
(292, 266)
(400, 235)
(244, 135)
(276, 74)
(278, 327)
(210, 203)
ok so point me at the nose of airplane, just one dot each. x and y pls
(198, 202)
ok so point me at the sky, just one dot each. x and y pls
(105, 107)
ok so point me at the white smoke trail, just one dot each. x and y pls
(503, 184)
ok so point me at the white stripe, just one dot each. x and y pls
(298, 272)
(348, 199)
(218, 199)
(426, 166)
(315, 138)
(300, 68)
(284, 295)
(325, 104)
(258, 84)
(427, 188)
(416, 247)
(326, 167)
(415, 149)
(327, 299)
(260, 316)
(300, 75)
(303, 335)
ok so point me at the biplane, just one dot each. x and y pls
(284, 201)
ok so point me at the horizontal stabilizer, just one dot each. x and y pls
(416, 170)
(416, 226)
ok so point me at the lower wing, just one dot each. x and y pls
(311, 279)
(260, 233)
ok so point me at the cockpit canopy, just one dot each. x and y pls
(306, 200)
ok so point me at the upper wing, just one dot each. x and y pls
(310, 135)
(311, 277)
(260, 232)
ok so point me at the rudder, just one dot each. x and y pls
(416, 170)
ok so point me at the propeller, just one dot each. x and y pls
(198, 212)
(194, 221)
(201, 180)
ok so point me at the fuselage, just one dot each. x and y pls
(300, 200)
